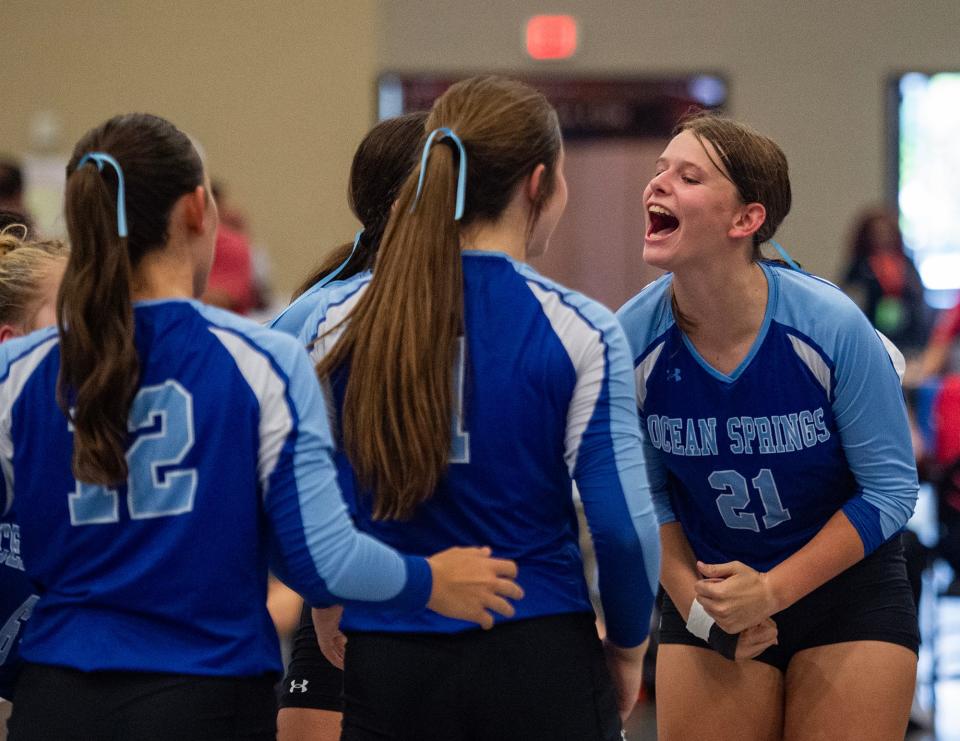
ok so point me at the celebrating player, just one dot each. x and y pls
(781, 465)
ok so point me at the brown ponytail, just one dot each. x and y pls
(99, 365)
(400, 341)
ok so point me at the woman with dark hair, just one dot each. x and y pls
(182, 449)
(310, 694)
(884, 282)
(469, 391)
(380, 165)
(780, 461)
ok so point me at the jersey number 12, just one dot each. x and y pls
(157, 484)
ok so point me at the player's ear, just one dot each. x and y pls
(8, 332)
(747, 220)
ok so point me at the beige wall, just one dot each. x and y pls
(809, 74)
(279, 93)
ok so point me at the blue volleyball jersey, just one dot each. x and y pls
(230, 468)
(16, 603)
(292, 319)
(754, 463)
(544, 392)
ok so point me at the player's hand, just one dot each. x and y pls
(734, 595)
(469, 585)
(756, 639)
(626, 671)
(332, 642)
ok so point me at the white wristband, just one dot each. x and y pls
(699, 622)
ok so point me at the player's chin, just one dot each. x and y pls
(658, 255)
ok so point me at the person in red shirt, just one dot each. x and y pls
(231, 284)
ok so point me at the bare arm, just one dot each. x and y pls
(678, 567)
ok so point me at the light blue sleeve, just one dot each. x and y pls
(657, 476)
(872, 420)
(612, 481)
(290, 321)
(644, 320)
(313, 543)
(315, 539)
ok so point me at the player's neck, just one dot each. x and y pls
(508, 234)
(163, 273)
(725, 304)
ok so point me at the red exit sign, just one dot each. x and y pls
(551, 36)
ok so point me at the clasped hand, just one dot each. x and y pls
(735, 595)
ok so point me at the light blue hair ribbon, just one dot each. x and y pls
(328, 278)
(100, 158)
(784, 255)
(461, 175)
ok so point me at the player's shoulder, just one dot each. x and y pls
(332, 301)
(813, 306)
(293, 318)
(22, 349)
(565, 306)
(243, 337)
(648, 315)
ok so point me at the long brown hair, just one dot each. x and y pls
(99, 367)
(401, 337)
(381, 164)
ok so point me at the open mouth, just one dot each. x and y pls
(660, 222)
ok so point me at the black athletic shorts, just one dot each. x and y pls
(541, 679)
(311, 681)
(870, 601)
(69, 705)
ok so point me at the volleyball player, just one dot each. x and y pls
(380, 165)
(310, 701)
(781, 465)
(469, 390)
(181, 448)
(29, 277)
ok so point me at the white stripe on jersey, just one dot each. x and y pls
(334, 318)
(584, 346)
(643, 372)
(276, 422)
(20, 371)
(896, 357)
(813, 360)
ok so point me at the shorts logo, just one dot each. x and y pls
(300, 686)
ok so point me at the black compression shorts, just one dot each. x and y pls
(311, 681)
(541, 679)
(870, 601)
(55, 702)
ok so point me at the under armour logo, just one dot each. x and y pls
(300, 686)
(673, 374)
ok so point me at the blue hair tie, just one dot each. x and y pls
(784, 255)
(461, 175)
(328, 278)
(100, 158)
